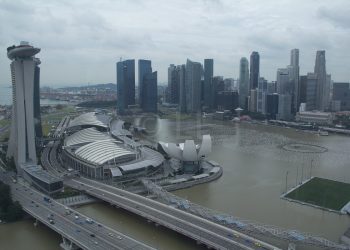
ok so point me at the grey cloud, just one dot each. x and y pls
(86, 38)
(339, 17)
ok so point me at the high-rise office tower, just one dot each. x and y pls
(218, 86)
(311, 91)
(208, 82)
(253, 98)
(173, 84)
(145, 67)
(37, 115)
(284, 107)
(302, 89)
(193, 86)
(261, 95)
(272, 105)
(322, 98)
(294, 76)
(243, 82)
(341, 94)
(149, 92)
(254, 70)
(182, 83)
(22, 138)
(125, 84)
(283, 79)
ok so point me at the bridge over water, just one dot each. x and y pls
(77, 230)
(202, 230)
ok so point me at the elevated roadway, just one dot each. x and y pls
(77, 230)
(203, 231)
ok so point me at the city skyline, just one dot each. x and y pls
(97, 39)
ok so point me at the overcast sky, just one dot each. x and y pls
(81, 41)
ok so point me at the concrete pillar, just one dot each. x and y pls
(68, 245)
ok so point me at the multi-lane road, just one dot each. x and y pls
(204, 231)
(77, 228)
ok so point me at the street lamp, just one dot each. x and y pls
(312, 160)
(286, 180)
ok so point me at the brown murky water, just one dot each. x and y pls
(255, 167)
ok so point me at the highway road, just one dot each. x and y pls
(202, 230)
(74, 226)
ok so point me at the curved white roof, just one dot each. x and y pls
(85, 136)
(151, 158)
(100, 152)
(90, 118)
(188, 151)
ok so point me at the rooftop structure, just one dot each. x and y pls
(22, 138)
(85, 136)
(101, 152)
(188, 151)
(41, 179)
(104, 155)
(91, 119)
(24, 50)
(320, 118)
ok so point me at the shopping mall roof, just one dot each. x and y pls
(90, 119)
(100, 152)
(150, 158)
(85, 136)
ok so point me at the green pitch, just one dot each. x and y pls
(322, 192)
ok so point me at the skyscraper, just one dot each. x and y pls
(311, 91)
(125, 84)
(208, 82)
(341, 93)
(144, 68)
(36, 96)
(253, 98)
(182, 83)
(173, 84)
(261, 95)
(272, 105)
(193, 86)
(243, 82)
(254, 70)
(149, 92)
(294, 76)
(284, 105)
(283, 78)
(322, 97)
(217, 86)
(22, 138)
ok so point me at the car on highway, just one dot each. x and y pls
(92, 235)
(88, 220)
(52, 221)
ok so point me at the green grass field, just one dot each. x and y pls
(323, 192)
